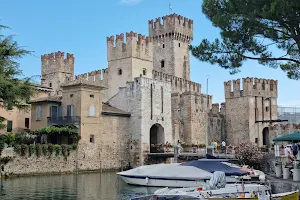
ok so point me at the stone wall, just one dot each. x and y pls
(148, 101)
(217, 123)
(170, 45)
(189, 117)
(87, 157)
(56, 69)
(249, 108)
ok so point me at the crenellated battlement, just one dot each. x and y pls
(94, 77)
(143, 82)
(97, 75)
(57, 58)
(251, 87)
(174, 26)
(216, 109)
(178, 84)
(285, 127)
(136, 45)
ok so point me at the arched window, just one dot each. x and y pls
(163, 45)
(92, 111)
(144, 72)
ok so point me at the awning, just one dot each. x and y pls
(213, 166)
(288, 138)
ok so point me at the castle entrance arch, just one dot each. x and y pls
(266, 137)
(157, 136)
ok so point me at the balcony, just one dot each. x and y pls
(67, 120)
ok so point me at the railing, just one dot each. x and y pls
(63, 120)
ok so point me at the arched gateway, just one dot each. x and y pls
(157, 136)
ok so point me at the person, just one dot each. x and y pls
(288, 153)
(224, 146)
(216, 146)
(282, 150)
(295, 149)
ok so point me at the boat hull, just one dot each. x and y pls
(160, 182)
(167, 182)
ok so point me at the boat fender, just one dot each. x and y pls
(147, 180)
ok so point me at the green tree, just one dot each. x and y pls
(253, 30)
(14, 92)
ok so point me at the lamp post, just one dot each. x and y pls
(206, 126)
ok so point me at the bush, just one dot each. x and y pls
(4, 138)
(31, 149)
(69, 149)
(2, 145)
(64, 150)
(24, 138)
(38, 150)
(51, 148)
(10, 138)
(18, 149)
(74, 146)
(45, 149)
(24, 149)
(249, 154)
(58, 149)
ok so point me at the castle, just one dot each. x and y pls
(145, 97)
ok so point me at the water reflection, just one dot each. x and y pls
(105, 186)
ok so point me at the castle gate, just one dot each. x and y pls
(266, 137)
(157, 137)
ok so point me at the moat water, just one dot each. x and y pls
(104, 186)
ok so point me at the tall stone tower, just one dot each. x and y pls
(248, 110)
(127, 61)
(170, 45)
(56, 69)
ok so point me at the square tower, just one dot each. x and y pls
(171, 40)
(56, 69)
(127, 60)
(249, 111)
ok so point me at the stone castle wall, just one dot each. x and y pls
(170, 41)
(248, 109)
(189, 117)
(216, 123)
(109, 152)
(148, 101)
(56, 69)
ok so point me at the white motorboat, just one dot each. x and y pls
(216, 188)
(189, 174)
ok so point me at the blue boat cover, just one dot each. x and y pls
(212, 166)
(210, 157)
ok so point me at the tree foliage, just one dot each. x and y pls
(253, 30)
(53, 130)
(14, 92)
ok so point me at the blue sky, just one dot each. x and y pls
(81, 28)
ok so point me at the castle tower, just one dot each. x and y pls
(171, 40)
(56, 69)
(128, 60)
(248, 111)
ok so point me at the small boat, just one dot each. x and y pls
(190, 174)
(248, 191)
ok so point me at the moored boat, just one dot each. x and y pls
(248, 191)
(189, 174)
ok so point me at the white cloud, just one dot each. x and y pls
(130, 2)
